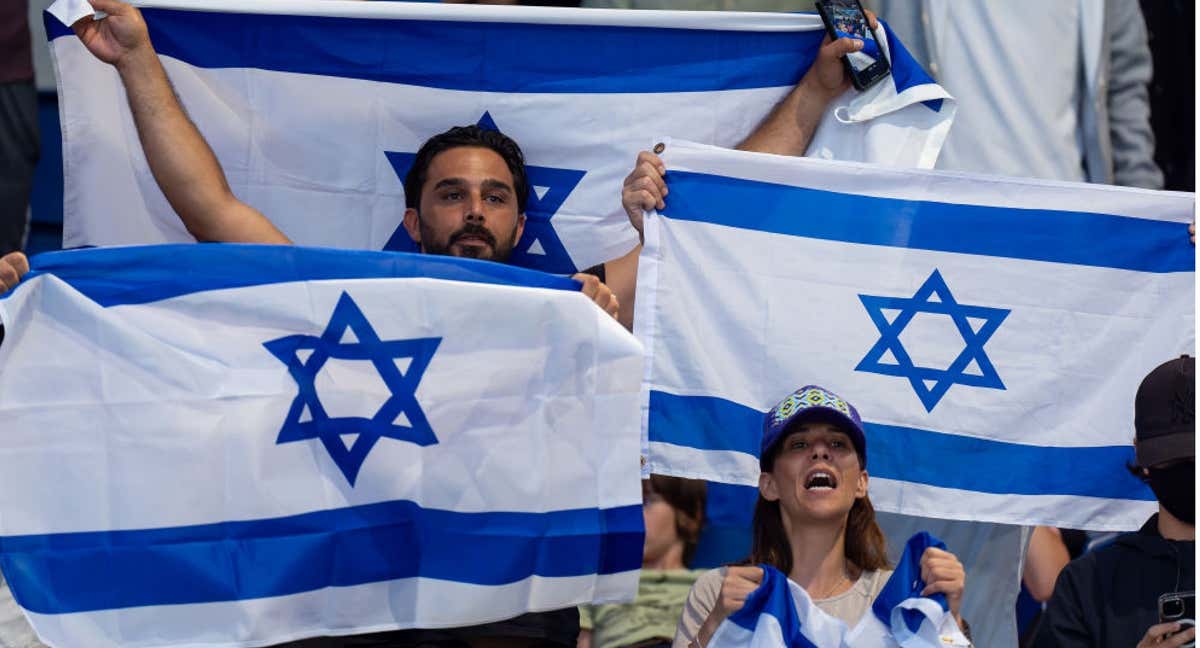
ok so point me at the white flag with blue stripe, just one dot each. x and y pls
(229, 445)
(991, 331)
(315, 109)
(780, 613)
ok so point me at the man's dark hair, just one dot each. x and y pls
(459, 136)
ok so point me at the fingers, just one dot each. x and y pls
(606, 300)
(942, 572)
(738, 584)
(591, 283)
(1192, 233)
(12, 267)
(871, 18)
(643, 194)
(1176, 640)
(653, 160)
(644, 187)
(1167, 635)
(841, 47)
(600, 294)
(747, 573)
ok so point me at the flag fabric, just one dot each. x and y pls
(991, 331)
(316, 108)
(780, 613)
(228, 445)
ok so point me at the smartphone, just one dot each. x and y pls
(1178, 606)
(845, 18)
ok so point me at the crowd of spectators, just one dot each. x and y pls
(813, 518)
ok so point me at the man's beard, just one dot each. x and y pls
(500, 250)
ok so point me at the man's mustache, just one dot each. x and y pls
(478, 231)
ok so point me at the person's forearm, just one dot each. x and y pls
(183, 165)
(790, 126)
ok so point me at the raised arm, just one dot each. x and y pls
(789, 127)
(182, 162)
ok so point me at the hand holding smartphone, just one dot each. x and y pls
(846, 19)
(1180, 607)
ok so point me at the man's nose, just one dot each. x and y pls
(475, 209)
(820, 451)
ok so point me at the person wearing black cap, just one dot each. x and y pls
(814, 522)
(1109, 597)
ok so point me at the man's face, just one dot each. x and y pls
(816, 474)
(468, 206)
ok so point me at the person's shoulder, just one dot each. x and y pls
(712, 577)
(1105, 557)
(873, 581)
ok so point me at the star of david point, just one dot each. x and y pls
(350, 336)
(540, 247)
(976, 325)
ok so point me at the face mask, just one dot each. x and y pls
(1175, 487)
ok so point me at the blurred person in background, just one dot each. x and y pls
(19, 143)
(1110, 596)
(1079, 110)
(673, 509)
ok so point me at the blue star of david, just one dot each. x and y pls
(382, 353)
(539, 247)
(931, 384)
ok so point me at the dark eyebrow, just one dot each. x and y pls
(450, 182)
(497, 185)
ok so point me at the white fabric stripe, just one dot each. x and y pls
(416, 602)
(731, 634)
(766, 634)
(645, 321)
(714, 465)
(1065, 511)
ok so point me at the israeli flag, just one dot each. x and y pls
(780, 613)
(227, 445)
(316, 109)
(991, 331)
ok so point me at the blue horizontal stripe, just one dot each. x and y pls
(1080, 238)
(915, 455)
(486, 57)
(701, 422)
(143, 274)
(77, 572)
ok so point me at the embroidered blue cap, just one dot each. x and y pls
(811, 403)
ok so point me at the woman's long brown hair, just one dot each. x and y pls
(866, 546)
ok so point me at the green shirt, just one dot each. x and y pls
(653, 614)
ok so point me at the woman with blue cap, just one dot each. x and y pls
(814, 523)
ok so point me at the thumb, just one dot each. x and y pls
(843, 46)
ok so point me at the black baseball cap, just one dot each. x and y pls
(1164, 414)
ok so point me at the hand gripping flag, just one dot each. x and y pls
(316, 109)
(228, 445)
(780, 613)
(992, 332)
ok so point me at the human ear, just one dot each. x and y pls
(412, 225)
(861, 489)
(767, 487)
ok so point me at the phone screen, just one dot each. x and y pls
(849, 21)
